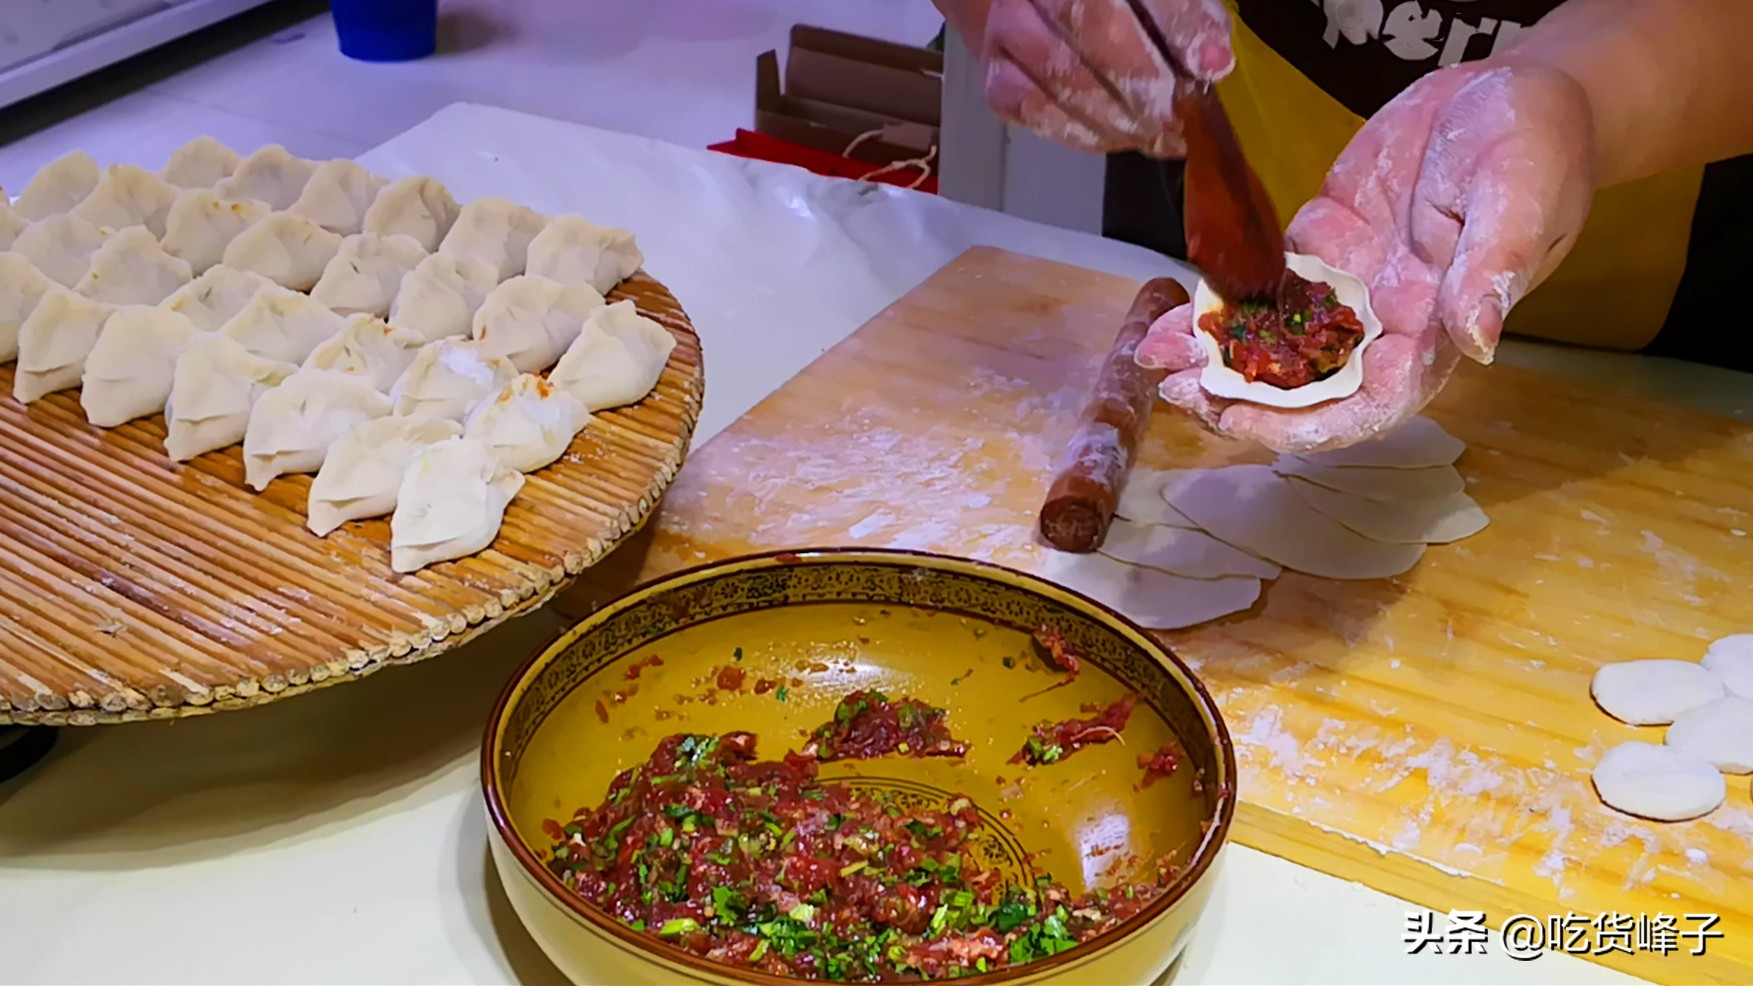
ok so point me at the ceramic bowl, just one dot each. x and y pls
(806, 628)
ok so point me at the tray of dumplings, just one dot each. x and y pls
(270, 423)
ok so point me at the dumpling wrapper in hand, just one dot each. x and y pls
(497, 231)
(214, 386)
(292, 426)
(450, 505)
(128, 196)
(21, 287)
(418, 207)
(201, 163)
(368, 347)
(289, 250)
(532, 320)
(337, 196)
(363, 472)
(574, 250)
(201, 225)
(129, 372)
(440, 297)
(448, 377)
(216, 297)
(528, 424)
(283, 325)
(54, 341)
(61, 184)
(271, 175)
(365, 274)
(617, 359)
(132, 269)
(60, 247)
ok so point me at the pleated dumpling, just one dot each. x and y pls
(366, 273)
(200, 225)
(21, 287)
(531, 320)
(440, 297)
(292, 426)
(216, 297)
(61, 184)
(129, 372)
(495, 230)
(60, 246)
(132, 269)
(215, 384)
(337, 196)
(271, 175)
(289, 250)
(128, 196)
(282, 325)
(417, 207)
(201, 163)
(369, 347)
(363, 471)
(54, 341)
(616, 360)
(450, 504)
(574, 250)
(448, 377)
(11, 223)
(528, 424)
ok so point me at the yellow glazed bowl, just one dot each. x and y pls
(816, 625)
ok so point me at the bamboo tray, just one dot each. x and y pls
(134, 588)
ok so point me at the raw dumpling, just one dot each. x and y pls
(363, 472)
(11, 223)
(289, 250)
(201, 163)
(292, 426)
(450, 504)
(531, 320)
(132, 269)
(367, 346)
(60, 246)
(439, 298)
(215, 384)
(417, 207)
(129, 372)
(201, 225)
(283, 325)
(575, 250)
(448, 377)
(337, 196)
(62, 184)
(616, 360)
(270, 174)
(216, 297)
(365, 274)
(528, 424)
(494, 230)
(21, 287)
(128, 196)
(54, 341)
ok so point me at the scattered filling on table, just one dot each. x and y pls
(640, 665)
(868, 725)
(1051, 742)
(1310, 341)
(1162, 763)
(762, 864)
(1058, 651)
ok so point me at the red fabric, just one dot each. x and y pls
(761, 147)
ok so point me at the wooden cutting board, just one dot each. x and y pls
(1430, 736)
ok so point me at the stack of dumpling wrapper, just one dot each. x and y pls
(375, 333)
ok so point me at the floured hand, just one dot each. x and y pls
(1454, 201)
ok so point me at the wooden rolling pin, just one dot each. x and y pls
(1081, 501)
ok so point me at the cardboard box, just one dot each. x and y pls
(840, 86)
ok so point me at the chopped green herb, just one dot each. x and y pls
(783, 694)
(678, 926)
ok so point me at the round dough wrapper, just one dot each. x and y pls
(1151, 598)
(1654, 692)
(1732, 660)
(1405, 522)
(1373, 483)
(1141, 499)
(1719, 731)
(1418, 444)
(1658, 782)
(1180, 551)
(1221, 381)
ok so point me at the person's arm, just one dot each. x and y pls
(1668, 81)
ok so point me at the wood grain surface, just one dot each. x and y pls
(1430, 736)
(132, 587)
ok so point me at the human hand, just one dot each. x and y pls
(1455, 200)
(1084, 73)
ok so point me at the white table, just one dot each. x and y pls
(338, 837)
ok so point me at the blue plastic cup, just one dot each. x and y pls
(386, 30)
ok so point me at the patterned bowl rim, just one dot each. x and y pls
(1204, 855)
